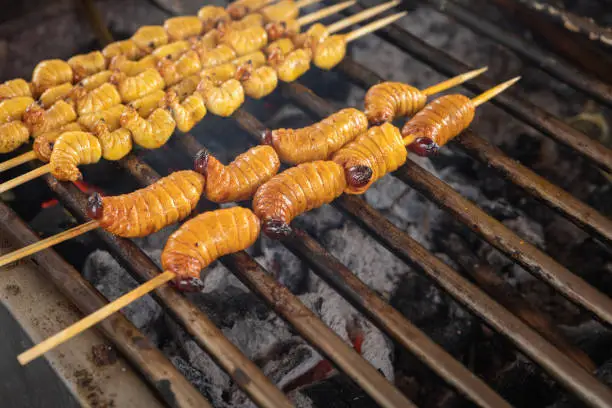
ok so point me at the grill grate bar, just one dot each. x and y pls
(365, 300)
(299, 316)
(171, 385)
(244, 372)
(542, 59)
(480, 222)
(517, 106)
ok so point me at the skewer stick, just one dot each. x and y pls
(305, 3)
(24, 178)
(493, 92)
(320, 14)
(94, 318)
(48, 242)
(378, 24)
(361, 16)
(452, 82)
(16, 161)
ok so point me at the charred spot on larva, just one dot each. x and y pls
(358, 176)
(95, 206)
(200, 162)
(188, 284)
(276, 229)
(266, 137)
(424, 146)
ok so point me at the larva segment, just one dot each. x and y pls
(95, 80)
(14, 108)
(245, 41)
(284, 10)
(55, 93)
(50, 73)
(370, 156)
(312, 37)
(129, 48)
(132, 68)
(211, 16)
(84, 65)
(150, 133)
(437, 123)
(149, 209)
(240, 179)
(252, 20)
(188, 113)
(216, 56)
(295, 191)
(104, 97)
(293, 65)
(14, 88)
(259, 82)
(174, 71)
(186, 87)
(147, 38)
(330, 52)
(240, 8)
(115, 144)
(132, 88)
(147, 104)
(388, 100)
(12, 135)
(43, 144)
(40, 120)
(109, 116)
(71, 150)
(222, 100)
(180, 28)
(206, 42)
(320, 140)
(171, 51)
(282, 29)
(205, 238)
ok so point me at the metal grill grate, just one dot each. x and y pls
(559, 365)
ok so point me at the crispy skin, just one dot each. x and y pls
(438, 122)
(72, 149)
(320, 140)
(216, 56)
(295, 191)
(312, 37)
(115, 144)
(40, 120)
(171, 51)
(147, 104)
(205, 238)
(149, 209)
(240, 179)
(386, 101)
(43, 144)
(380, 149)
(95, 80)
(109, 116)
(240, 8)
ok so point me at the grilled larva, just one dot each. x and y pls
(12, 135)
(437, 123)
(218, 55)
(211, 16)
(171, 51)
(115, 144)
(14, 108)
(295, 191)
(147, 104)
(284, 10)
(240, 8)
(256, 59)
(50, 73)
(84, 65)
(292, 66)
(95, 80)
(43, 144)
(174, 71)
(132, 88)
(205, 238)
(312, 37)
(132, 68)
(219, 74)
(72, 149)
(259, 82)
(280, 48)
(109, 116)
(104, 97)
(282, 29)
(330, 52)
(147, 38)
(370, 156)
(150, 133)
(206, 42)
(180, 28)
(222, 100)
(150, 209)
(320, 140)
(252, 20)
(55, 93)
(129, 48)
(15, 88)
(186, 87)
(240, 179)
(245, 41)
(40, 120)
(188, 113)
(386, 101)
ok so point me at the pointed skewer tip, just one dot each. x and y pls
(361, 16)
(371, 27)
(493, 92)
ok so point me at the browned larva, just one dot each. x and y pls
(72, 149)
(389, 100)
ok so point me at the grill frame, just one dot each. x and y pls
(341, 279)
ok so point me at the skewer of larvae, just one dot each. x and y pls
(320, 140)
(355, 167)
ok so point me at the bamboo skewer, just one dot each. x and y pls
(363, 15)
(376, 25)
(477, 100)
(24, 178)
(48, 242)
(17, 161)
(326, 12)
(93, 319)
(305, 3)
(452, 82)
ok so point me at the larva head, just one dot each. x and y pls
(276, 30)
(237, 11)
(358, 176)
(34, 114)
(276, 229)
(200, 163)
(78, 73)
(266, 137)
(244, 71)
(117, 77)
(424, 146)
(170, 99)
(100, 128)
(95, 206)
(188, 284)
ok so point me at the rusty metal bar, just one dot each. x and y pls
(491, 230)
(510, 101)
(243, 371)
(366, 301)
(546, 61)
(557, 364)
(170, 384)
(291, 309)
(584, 216)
